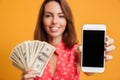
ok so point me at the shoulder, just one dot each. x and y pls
(74, 48)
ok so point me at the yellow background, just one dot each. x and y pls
(18, 19)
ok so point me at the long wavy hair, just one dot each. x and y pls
(69, 35)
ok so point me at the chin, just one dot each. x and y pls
(55, 36)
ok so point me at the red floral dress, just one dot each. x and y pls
(66, 67)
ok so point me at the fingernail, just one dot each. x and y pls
(110, 57)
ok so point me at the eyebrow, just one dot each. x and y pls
(52, 13)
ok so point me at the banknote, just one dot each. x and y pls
(43, 57)
(33, 54)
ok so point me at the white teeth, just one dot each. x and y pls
(54, 28)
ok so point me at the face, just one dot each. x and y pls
(54, 20)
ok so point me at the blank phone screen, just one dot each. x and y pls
(93, 48)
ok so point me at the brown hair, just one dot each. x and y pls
(69, 35)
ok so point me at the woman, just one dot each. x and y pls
(55, 25)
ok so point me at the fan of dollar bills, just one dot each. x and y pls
(32, 54)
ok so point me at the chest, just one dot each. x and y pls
(62, 63)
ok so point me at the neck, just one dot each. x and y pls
(55, 41)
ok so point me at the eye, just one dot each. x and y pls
(61, 16)
(48, 15)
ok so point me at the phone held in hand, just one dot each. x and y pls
(93, 38)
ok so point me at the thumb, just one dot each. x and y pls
(79, 49)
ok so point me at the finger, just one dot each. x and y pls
(107, 37)
(108, 57)
(28, 76)
(26, 71)
(109, 42)
(109, 48)
(79, 49)
(30, 71)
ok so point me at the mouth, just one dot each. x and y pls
(54, 29)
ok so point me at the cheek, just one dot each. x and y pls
(45, 22)
(64, 23)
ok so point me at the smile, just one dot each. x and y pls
(54, 28)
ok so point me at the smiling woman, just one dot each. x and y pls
(54, 20)
(55, 25)
(56, 14)
(18, 21)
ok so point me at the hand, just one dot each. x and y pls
(109, 47)
(28, 74)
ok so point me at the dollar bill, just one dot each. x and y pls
(42, 59)
(32, 54)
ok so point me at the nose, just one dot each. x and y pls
(55, 20)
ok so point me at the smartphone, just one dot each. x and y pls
(93, 38)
